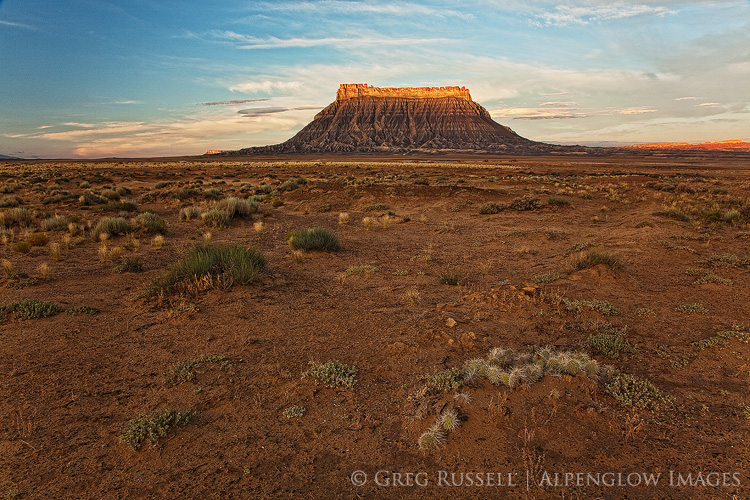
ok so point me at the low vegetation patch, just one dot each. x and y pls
(491, 208)
(635, 392)
(578, 247)
(294, 411)
(366, 269)
(153, 426)
(546, 278)
(377, 207)
(695, 308)
(526, 203)
(610, 343)
(149, 223)
(594, 258)
(208, 266)
(111, 226)
(452, 278)
(30, 309)
(333, 374)
(83, 310)
(316, 238)
(723, 338)
(184, 371)
(130, 264)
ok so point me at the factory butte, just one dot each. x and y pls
(370, 119)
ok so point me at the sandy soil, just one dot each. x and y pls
(72, 382)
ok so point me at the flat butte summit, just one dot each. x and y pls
(369, 119)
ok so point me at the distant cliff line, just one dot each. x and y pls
(350, 90)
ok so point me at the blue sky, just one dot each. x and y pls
(96, 78)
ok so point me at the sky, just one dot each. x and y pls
(134, 78)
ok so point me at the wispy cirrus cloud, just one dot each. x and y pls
(11, 24)
(566, 15)
(250, 42)
(233, 102)
(253, 112)
(349, 7)
(266, 86)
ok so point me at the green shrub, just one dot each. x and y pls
(83, 310)
(111, 226)
(722, 338)
(10, 201)
(153, 426)
(37, 239)
(184, 371)
(450, 278)
(292, 184)
(558, 201)
(17, 216)
(695, 308)
(610, 343)
(237, 207)
(224, 265)
(55, 223)
(316, 238)
(130, 264)
(150, 223)
(526, 203)
(295, 411)
(594, 258)
(118, 206)
(333, 374)
(190, 213)
(216, 218)
(491, 208)
(580, 246)
(546, 278)
(22, 246)
(673, 214)
(30, 309)
(635, 392)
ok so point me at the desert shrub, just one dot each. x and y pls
(445, 381)
(22, 246)
(452, 278)
(10, 201)
(491, 208)
(37, 239)
(580, 247)
(333, 374)
(292, 184)
(546, 278)
(601, 306)
(558, 201)
(17, 216)
(150, 223)
(216, 218)
(190, 213)
(526, 203)
(83, 310)
(184, 371)
(130, 264)
(111, 226)
(237, 207)
(219, 265)
(594, 258)
(610, 343)
(723, 338)
(119, 206)
(725, 260)
(691, 308)
(377, 207)
(294, 411)
(30, 309)
(635, 392)
(153, 426)
(55, 223)
(316, 238)
(110, 194)
(161, 184)
(366, 269)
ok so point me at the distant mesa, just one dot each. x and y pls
(370, 119)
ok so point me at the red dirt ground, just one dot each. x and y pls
(71, 383)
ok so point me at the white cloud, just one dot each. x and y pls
(708, 104)
(266, 86)
(349, 7)
(565, 15)
(249, 42)
(638, 110)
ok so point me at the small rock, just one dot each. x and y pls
(450, 322)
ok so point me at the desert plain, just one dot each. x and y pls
(552, 327)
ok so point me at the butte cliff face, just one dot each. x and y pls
(370, 119)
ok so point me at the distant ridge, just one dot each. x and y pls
(370, 119)
(5, 157)
(732, 145)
